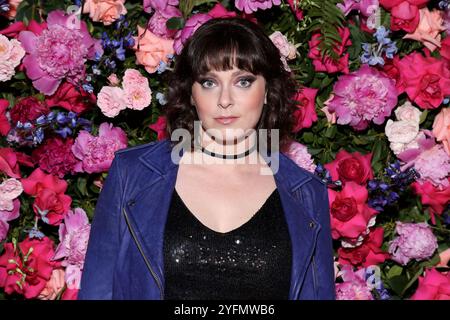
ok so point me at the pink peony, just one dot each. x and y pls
(429, 29)
(55, 156)
(157, 23)
(415, 241)
(368, 254)
(430, 160)
(6, 216)
(249, 6)
(159, 5)
(433, 286)
(28, 109)
(111, 100)
(351, 167)
(305, 114)
(327, 64)
(160, 127)
(299, 154)
(363, 96)
(105, 11)
(350, 214)
(71, 98)
(59, 52)
(73, 236)
(365, 7)
(26, 268)
(151, 49)
(138, 94)
(426, 79)
(192, 24)
(53, 286)
(354, 286)
(96, 153)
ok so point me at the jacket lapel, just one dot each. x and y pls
(148, 206)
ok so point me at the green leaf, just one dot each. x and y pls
(423, 116)
(395, 270)
(411, 282)
(175, 23)
(81, 186)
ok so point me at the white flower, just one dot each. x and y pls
(407, 112)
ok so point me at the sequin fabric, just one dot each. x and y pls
(250, 262)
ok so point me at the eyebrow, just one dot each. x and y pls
(233, 74)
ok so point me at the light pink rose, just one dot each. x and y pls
(113, 80)
(9, 190)
(138, 94)
(298, 153)
(441, 128)
(53, 286)
(429, 29)
(11, 53)
(105, 11)
(111, 100)
(286, 48)
(401, 131)
(151, 49)
(331, 116)
(408, 112)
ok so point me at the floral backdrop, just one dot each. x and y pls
(80, 80)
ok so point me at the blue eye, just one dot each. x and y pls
(207, 83)
(246, 82)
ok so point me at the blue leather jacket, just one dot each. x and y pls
(125, 260)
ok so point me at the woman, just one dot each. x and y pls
(228, 217)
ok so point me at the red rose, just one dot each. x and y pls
(430, 195)
(25, 269)
(8, 163)
(38, 181)
(433, 286)
(367, 254)
(350, 213)
(296, 10)
(28, 109)
(427, 80)
(5, 126)
(405, 17)
(219, 11)
(71, 98)
(445, 48)
(389, 4)
(160, 127)
(327, 64)
(351, 167)
(14, 29)
(391, 68)
(55, 156)
(305, 114)
(56, 205)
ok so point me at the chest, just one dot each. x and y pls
(223, 202)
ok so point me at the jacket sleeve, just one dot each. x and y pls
(324, 249)
(103, 245)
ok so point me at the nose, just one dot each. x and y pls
(225, 99)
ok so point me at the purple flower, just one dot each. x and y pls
(365, 7)
(73, 236)
(96, 153)
(249, 6)
(354, 287)
(415, 241)
(58, 52)
(192, 24)
(363, 96)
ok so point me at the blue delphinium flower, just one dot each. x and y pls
(444, 4)
(161, 98)
(4, 6)
(373, 52)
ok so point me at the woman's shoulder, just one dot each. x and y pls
(294, 169)
(135, 152)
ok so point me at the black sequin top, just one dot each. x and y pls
(250, 262)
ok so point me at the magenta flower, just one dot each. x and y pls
(354, 286)
(96, 153)
(249, 6)
(73, 236)
(8, 215)
(415, 241)
(363, 96)
(192, 24)
(57, 52)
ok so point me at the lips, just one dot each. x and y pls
(226, 120)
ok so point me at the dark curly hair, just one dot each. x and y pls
(220, 44)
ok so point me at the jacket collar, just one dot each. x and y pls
(149, 215)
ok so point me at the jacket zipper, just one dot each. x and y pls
(314, 271)
(149, 267)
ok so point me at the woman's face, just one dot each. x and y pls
(231, 102)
